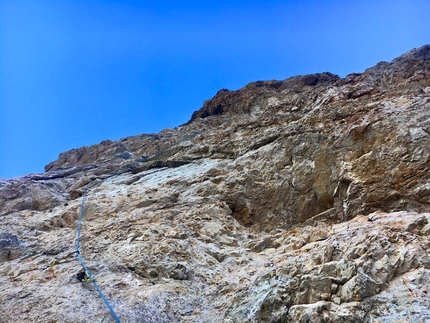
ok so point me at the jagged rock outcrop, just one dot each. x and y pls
(303, 200)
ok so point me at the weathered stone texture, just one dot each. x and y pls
(303, 200)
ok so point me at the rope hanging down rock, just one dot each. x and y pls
(78, 255)
(81, 211)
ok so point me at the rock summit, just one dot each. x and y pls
(302, 200)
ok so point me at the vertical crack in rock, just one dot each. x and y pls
(302, 200)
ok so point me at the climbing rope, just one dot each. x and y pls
(81, 211)
(78, 255)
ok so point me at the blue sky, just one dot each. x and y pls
(74, 73)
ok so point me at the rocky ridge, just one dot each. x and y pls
(303, 200)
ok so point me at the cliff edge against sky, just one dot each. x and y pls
(303, 200)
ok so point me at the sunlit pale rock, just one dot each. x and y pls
(303, 200)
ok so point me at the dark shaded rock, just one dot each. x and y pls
(7, 239)
(241, 101)
(303, 200)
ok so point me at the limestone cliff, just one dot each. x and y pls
(303, 200)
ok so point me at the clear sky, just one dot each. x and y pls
(76, 72)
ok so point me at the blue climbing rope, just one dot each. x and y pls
(81, 212)
(78, 239)
(98, 288)
(78, 255)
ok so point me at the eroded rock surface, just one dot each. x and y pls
(303, 200)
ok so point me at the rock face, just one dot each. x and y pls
(303, 200)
